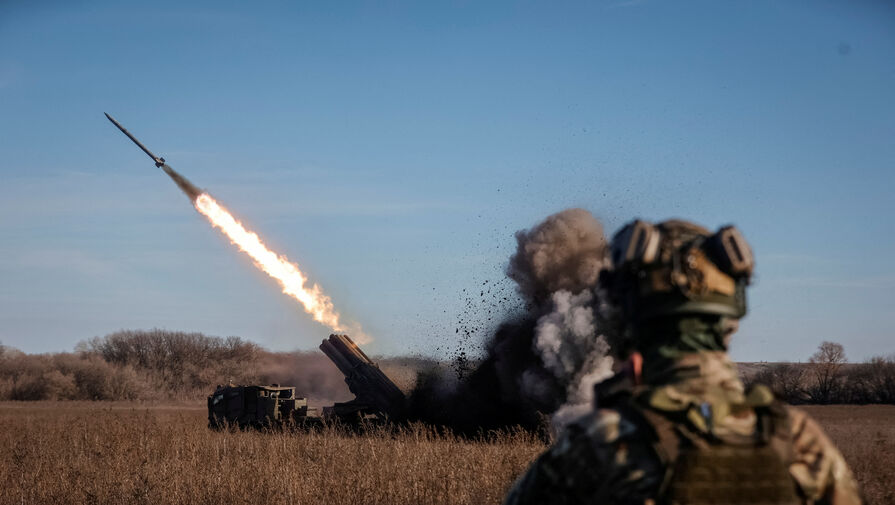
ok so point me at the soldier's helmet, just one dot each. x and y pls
(676, 268)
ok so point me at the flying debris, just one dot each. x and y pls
(185, 185)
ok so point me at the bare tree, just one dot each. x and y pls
(786, 380)
(881, 378)
(826, 371)
(789, 382)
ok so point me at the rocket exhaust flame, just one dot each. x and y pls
(287, 274)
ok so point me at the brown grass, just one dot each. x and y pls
(71, 452)
(865, 434)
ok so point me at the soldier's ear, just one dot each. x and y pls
(636, 360)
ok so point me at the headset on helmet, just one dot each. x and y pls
(677, 267)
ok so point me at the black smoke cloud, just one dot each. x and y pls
(541, 362)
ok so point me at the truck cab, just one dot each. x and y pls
(255, 407)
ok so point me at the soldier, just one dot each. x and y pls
(676, 425)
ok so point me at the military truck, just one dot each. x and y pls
(257, 407)
(377, 398)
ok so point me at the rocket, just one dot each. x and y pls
(185, 185)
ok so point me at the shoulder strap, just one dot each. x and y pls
(774, 429)
(664, 436)
(773, 424)
(667, 440)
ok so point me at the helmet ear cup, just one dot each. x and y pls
(731, 252)
(637, 242)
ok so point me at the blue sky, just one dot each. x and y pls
(392, 149)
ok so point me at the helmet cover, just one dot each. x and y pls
(678, 267)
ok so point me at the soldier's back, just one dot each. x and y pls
(749, 451)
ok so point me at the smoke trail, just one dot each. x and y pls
(190, 189)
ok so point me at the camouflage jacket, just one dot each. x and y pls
(607, 457)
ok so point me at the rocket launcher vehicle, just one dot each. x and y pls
(255, 406)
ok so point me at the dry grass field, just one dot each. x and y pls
(70, 452)
(86, 453)
(866, 436)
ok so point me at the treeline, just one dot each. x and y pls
(167, 365)
(829, 378)
(161, 365)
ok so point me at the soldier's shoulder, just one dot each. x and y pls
(604, 426)
(804, 429)
(600, 456)
(819, 468)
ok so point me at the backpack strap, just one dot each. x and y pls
(773, 426)
(667, 439)
(662, 433)
(774, 429)
(620, 393)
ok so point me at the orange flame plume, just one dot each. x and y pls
(287, 274)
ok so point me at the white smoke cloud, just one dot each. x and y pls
(570, 347)
(556, 267)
